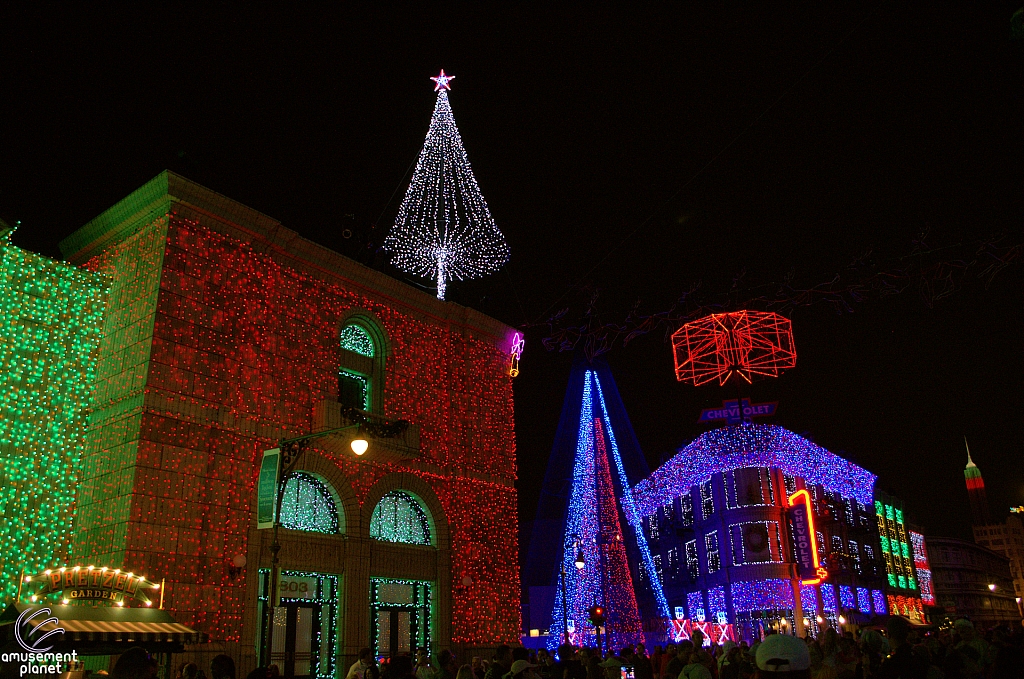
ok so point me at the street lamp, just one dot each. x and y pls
(359, 446)
(992, 587)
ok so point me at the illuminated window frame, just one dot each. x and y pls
(324, 517)
(707, 500)
(713, 552)
(737, 539)
(413, 507)
(357, 361)
(764, 478)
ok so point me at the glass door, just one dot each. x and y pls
(401, 616)
(305, 637)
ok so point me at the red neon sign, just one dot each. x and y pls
(804, 497)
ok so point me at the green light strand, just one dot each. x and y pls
(307, 505)
(51, 317)
(357, 340)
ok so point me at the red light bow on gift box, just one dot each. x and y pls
(743, 344)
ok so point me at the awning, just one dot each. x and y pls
(88, 627)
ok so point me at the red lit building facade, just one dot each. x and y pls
(227, 332)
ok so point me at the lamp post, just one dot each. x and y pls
(580, 564)
(291, 450)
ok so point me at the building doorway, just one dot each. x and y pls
(305, 624)
(401, 616)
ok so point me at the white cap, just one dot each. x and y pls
(782, 653)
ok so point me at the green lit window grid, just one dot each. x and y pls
(356, 339)
(307, 505)
(878, 508)
(905, 549)
(899, 516)
(398, 517)
(911, 583)
(902, 581)
(890, 513)
(885, 544)
(892, 579)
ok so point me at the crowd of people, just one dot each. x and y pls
(898, 652)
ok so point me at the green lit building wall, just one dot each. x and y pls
(110, 465)
(51, 316)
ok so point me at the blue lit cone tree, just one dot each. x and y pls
(444, 230)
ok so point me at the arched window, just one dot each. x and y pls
(399, 517)
(308, 504)
(362, 365)
(355, 338)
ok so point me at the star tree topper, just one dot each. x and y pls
(442, 81)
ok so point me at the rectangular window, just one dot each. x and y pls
(672, 562)
(707, 500)
(837, 544)
(652, 527)
(669, 511)
(749, 486)
(855, 553)
(848, 510)
(711, 546)
(691, 559)
(790, 482)
(657, 566)
(354, 390)
(686, 507)
(755, 542)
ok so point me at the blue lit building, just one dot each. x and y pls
(715, 518)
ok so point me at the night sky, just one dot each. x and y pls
(754, 140)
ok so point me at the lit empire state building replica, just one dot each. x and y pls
(1004, 537)
(976, 492)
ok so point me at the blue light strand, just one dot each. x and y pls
(716, 604)
(756, 445)
(695, 605)
(846, 597)
(863, 600)
(582, 586)
(809, 599)
(762, 595)
(828, 598)
(629, 506)
(878, 599)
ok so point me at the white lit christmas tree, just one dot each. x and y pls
(444, 230)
